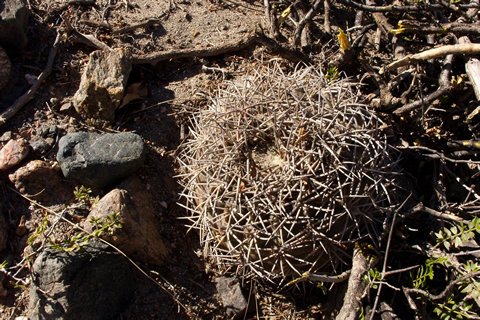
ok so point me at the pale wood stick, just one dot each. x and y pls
(469, 48)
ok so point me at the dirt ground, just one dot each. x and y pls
(175, 88)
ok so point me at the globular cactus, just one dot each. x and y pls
(285, 171)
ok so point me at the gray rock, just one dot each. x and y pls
(231, 296)
(13, 23)
(102, 86)
(99, 160)
(89, 284)
(138, 237)
(40, 145)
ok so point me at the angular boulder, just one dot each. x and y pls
(100, 160)
(138, 237)
(13, 24)
(93, 283)
(102, 85)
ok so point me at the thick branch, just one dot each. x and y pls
(356, 286)
(468, 48)
(445, 88)
(286, 52)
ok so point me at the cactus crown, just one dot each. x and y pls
(285, 171)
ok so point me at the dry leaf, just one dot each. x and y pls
(135, 91)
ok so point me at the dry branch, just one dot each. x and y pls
(406, 26)
(89, 40)
(352, 301)
(445, 88)
(413, 8)
(444, 293)
(27, 96)
(271, 20)
(143, 24)
(308, 17)
(472, 66)
(469, 48)
(257, 38)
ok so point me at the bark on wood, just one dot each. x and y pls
(472, 66)
(470, 48)
(356, 286)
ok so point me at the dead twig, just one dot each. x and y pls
(308, 17)
(89, 40)
(472, 66)
(27, 96)
(271, 20)
(468, 48)
(442, 294)
(406, 26)
(420, 207)
(256, 38)
(143, 24)
(445, 88)
(413, 8)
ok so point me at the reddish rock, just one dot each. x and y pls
(13, 153)
(138, 237)
(42, 182)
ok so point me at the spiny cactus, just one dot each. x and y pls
(284, 171)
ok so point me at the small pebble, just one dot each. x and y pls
(6, 136)
(13, 153)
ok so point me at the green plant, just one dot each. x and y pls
(454, 309)
(83, 195)
(39, 230)
(332, 74)
(423, 273)
(457, 304)
(372, 277)
(455, 236)
(108, 226)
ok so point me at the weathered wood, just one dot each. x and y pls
(352, 301)
(472, 66)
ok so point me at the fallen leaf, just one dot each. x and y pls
(135, 91)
